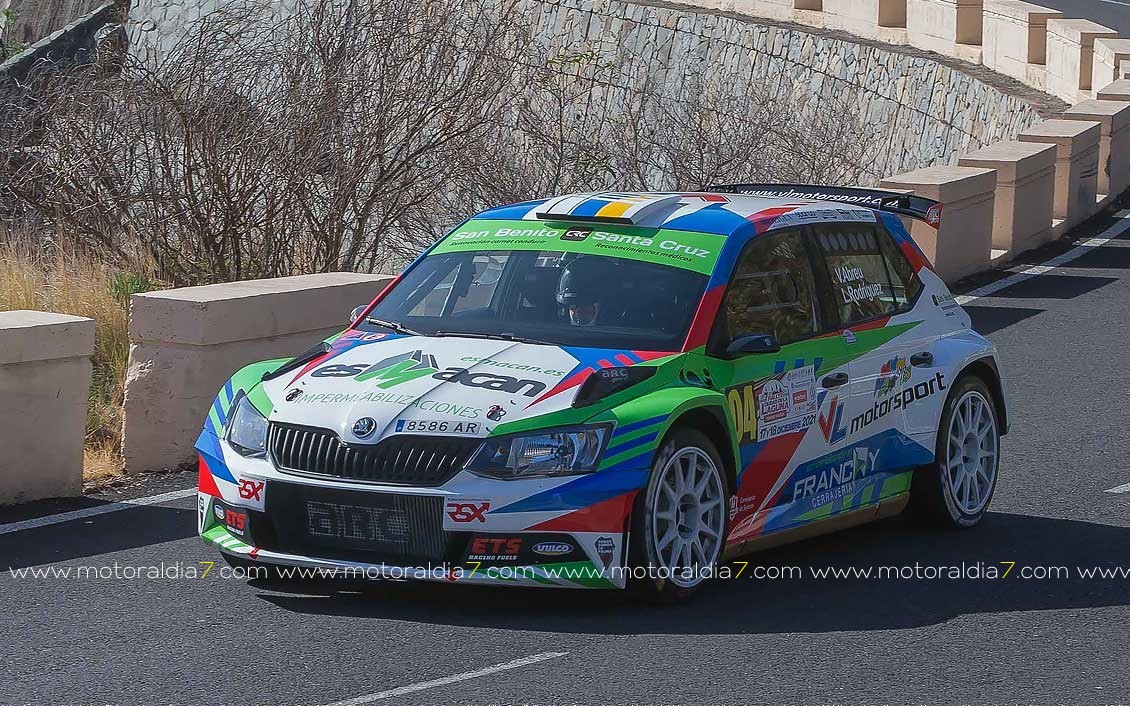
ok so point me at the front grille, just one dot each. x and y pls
(403, 459)
(352, 525)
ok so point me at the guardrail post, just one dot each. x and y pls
(1022, 215)
(44, 383)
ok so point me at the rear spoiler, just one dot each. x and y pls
(917, 207)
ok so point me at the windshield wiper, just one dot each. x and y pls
(493, 336)
(393, 326)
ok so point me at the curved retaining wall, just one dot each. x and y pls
(918, 111)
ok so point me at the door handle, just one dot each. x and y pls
(834, 380)
(922, 360)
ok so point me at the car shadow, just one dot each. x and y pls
(747, 605)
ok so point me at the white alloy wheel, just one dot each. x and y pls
(688, 516)
(971, 453)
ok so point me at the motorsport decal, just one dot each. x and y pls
(677, 248)
(406, 367)
(903, 398)
(783, 404)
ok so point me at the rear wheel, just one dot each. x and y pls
(955, 490)
(679, 522)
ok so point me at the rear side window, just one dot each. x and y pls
(772, 291)
(865, 281)
(904, 280)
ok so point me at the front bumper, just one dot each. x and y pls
(567, 532)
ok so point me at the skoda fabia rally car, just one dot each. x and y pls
(617, 390)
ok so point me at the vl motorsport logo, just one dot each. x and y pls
(832, 421)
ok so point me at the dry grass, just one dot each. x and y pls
(78, 284)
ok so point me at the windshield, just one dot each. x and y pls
(558, 298)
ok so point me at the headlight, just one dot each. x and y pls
(557, 452)
(247, 429)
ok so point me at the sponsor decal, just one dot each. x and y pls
(235, 521)
(552, 548)
(576, 234)
(219, 511)
(486, 548)
(525, 367)
(605, 548)
(356, 525)
(496, 413)
(782, 404)
(945, 302)
(901, 399)
(685, 249)
(293, 394)
(202, 512)
(832, 422)
(401, 369)
(834, 476)
(433, 426)
(464, 511)
(251, 489)
(451, 409)
(742, 505)
(894, 372)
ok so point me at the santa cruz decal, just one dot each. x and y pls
(406, 367)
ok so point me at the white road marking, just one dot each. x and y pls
(444, 681)
(1119, 489)
(1116, 2)
(1076, 252)
(97, 510)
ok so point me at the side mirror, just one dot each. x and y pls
(356, 313)
(751, 344)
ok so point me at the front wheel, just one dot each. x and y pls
(955, 490)
(679, 522)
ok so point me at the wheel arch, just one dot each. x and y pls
(710, 419)
(986, 370)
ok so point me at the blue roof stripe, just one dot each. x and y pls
(589, 207)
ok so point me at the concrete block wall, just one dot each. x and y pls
(185, 343)
(44, 382)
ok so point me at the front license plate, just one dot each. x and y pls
(359, 526)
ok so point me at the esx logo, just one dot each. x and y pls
(468, 512)
(251, 490)
(832, 422)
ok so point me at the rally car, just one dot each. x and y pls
(617, 390)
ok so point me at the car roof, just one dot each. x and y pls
(705, 212)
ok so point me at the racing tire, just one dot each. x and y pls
(692, 523)
(954, 492)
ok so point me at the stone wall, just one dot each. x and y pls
(918, 110)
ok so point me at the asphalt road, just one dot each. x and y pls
(798, 641)
(1109, 13)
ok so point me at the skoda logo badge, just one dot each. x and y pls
(364, 427)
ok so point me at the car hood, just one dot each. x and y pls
(372, 385)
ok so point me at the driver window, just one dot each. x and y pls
(772, 290)
(466, 288)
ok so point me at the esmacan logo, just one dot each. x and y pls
(406, 367)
